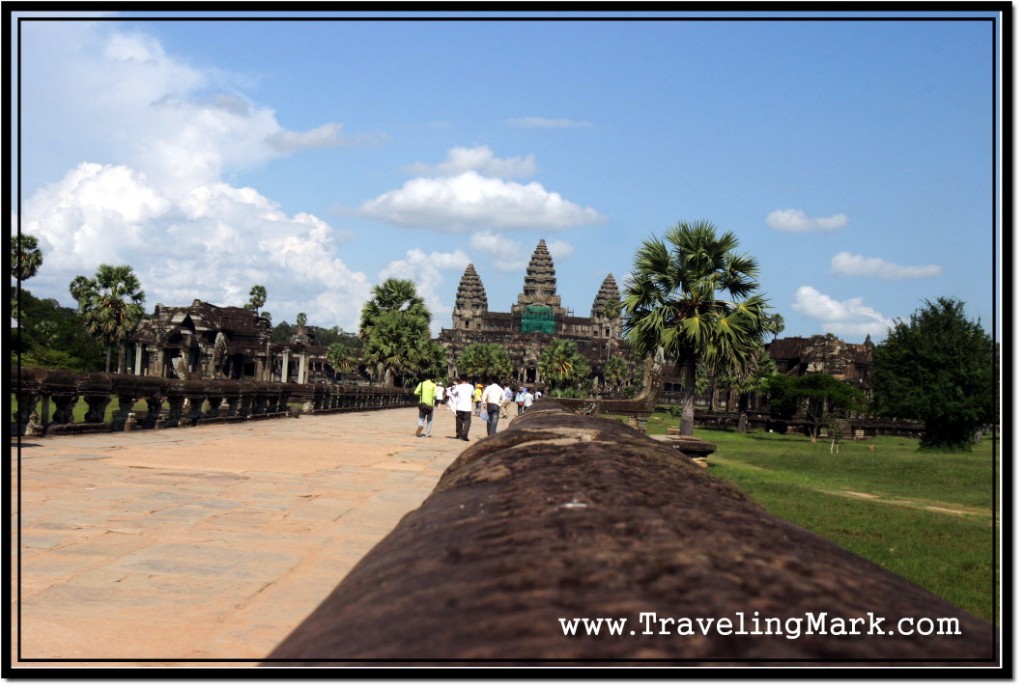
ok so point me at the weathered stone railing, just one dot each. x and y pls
(174, 402)
(563, 516)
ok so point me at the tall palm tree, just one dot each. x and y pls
(694, 297)
(257, 298)
(111, 305)
(26, 257)
(395, 329)
(776, 325)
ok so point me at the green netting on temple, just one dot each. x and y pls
(538, 319)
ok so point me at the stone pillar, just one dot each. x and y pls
(138, 359)
(303, 374)
(286, 356)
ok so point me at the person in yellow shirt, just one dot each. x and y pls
(478, 394)
(427, 392)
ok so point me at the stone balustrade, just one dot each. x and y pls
(47, 399)
(565, 516)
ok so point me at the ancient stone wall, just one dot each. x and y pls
(564, 516)
(173, 402)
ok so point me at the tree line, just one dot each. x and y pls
(692, 299)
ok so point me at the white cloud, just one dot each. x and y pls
(548, 123)
(214, 243)
(843, 318)
(470, 201)
(158, 136)
(119, 96)
(479, 159)
(795, 220)
(426, 271)
(847, 264)
(508, 254)
(560, 249)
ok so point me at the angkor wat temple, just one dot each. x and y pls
(534, 321)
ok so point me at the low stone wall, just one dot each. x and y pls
(174, 402)
(565, 516)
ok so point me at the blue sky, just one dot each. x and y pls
(853, 159)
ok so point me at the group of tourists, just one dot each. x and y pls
(490, 403)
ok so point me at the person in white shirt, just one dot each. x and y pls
(463, 395)
(491, 400)
(506, 401)
(527, 400)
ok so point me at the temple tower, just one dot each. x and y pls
(470, 302)
(539, 288)
(607, 324)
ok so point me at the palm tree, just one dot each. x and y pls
(341, 358)
(485, 361)
(672, 303)
(26, 257)
(395, 329)
(776, 325)
(110, 305)
(561, 363)
(616, 370)
(257, 298)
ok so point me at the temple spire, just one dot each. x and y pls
(470, 301)
(539, 287)
(608, 292)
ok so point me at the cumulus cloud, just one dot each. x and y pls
(507, 254)
(794, 220)
(215, 242)
(841, 317)
(548, 123)
(159, 137)
(471, 201)
(426, 271)
(480, 159)
(847, 264)
(135, 104)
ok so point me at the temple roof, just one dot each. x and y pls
(471, 293)
(608, 292)
(539, 287)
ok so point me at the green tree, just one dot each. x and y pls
(616, 372)
(939, 369)
(111, 305)
(394, 327)
(483, 361)
(694, 297)
(53, 336)
(341, 358)
(775, 325)
(432, 361)
(562, 365)
(825, 399)
(257, 298)
(26, 257)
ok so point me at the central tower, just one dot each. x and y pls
(539, 304)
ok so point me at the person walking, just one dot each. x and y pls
(506, 400)
(463, 395)
(478, 394)
(427, 392)
(520, 398)
(491, 399)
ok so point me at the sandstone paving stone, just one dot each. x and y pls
(203, 543)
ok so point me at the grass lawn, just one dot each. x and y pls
(926, 516)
